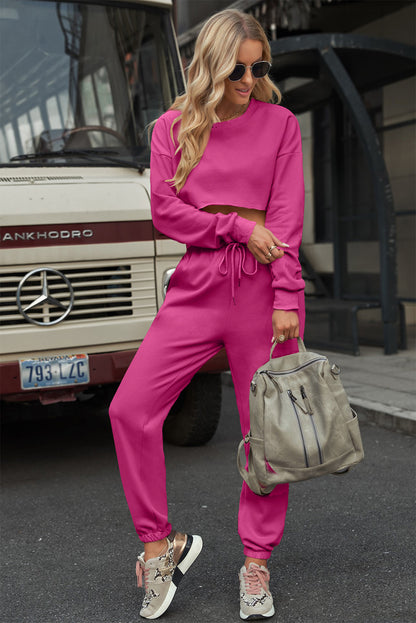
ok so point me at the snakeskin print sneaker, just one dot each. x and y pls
(256, 601)
(162, 574)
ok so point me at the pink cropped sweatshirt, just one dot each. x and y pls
(252, 161)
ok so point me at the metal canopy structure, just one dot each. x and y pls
(369, 62)
(345, 65)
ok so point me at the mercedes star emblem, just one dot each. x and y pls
(45, 301)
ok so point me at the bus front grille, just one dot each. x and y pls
(101, 290)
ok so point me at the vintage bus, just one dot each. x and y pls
(83, 270)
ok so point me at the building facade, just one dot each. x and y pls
(335, 163)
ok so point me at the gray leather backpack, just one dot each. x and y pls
(301, 423)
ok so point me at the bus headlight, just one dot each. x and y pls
(166, 279)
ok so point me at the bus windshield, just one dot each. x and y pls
(80, 82)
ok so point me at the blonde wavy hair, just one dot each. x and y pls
(215, 56)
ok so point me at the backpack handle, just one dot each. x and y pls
(301, 346)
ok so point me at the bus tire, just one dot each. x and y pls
(194, 417)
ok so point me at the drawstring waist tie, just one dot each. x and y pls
(233, 263)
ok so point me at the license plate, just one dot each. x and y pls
(54, 371)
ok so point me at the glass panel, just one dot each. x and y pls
(4, 154)
(55, 120)
(89, 105)
(83, 77)
(25, 132)
(36, 120)
(105, 97)
(65, 106)
(10, 138)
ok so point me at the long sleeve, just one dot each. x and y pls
(177, 219)
(284, 217)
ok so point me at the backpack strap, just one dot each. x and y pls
(249, 476)
(301, 346)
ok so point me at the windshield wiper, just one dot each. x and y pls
(88, 154)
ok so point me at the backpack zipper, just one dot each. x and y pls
(310, 412)
(304, 365)
(294, 403)
(307, 411)
(306, 400)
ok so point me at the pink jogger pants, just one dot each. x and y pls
(217, 297)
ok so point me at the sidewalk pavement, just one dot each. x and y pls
(381, 388)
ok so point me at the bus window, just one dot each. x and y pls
(83, 76)
(25, 132)
(66, 109)
(4, 152)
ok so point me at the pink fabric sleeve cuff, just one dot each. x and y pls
(287, 301)
(243, 229)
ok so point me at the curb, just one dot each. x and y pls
(226, 379)
(385, 416)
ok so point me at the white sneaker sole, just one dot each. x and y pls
(182, 567)
(252, 617)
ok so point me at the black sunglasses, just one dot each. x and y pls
(258, 70)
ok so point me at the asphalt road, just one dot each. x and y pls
(69, 548)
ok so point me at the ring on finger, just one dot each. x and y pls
(281, 338)
(274, 246)
(268, 256)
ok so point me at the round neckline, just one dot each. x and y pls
(248, 111)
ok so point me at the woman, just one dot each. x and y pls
(226, 180)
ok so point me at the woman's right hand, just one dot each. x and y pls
(264, 245)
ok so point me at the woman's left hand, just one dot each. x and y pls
(264, 245)
(285, 323)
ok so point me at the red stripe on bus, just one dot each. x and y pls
(23, 236)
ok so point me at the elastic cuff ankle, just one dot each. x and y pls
(155, 536)
(254, 553)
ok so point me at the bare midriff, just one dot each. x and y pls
(258, 216)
